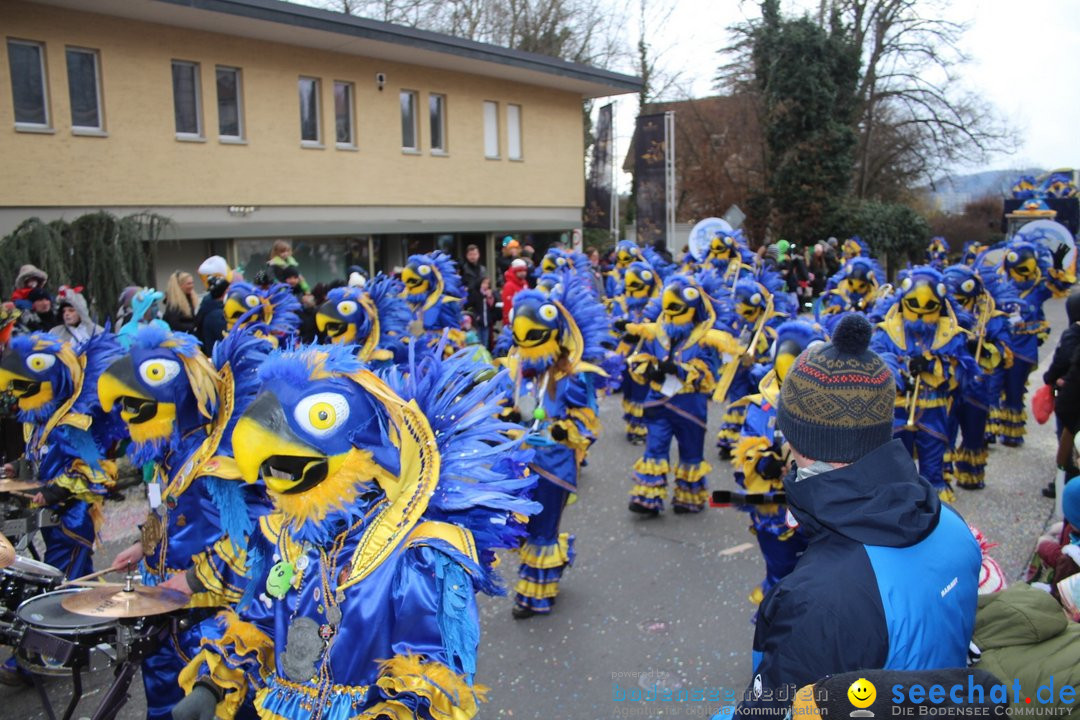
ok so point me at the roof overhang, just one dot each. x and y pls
(302, 26)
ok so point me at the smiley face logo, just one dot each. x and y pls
(862, 693)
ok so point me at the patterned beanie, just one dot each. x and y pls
(836, 403)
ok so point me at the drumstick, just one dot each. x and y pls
(91, 576)
(90, 583)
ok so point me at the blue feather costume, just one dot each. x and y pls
(923, 342)
(435, 293)
(71, 441)
(679, 358)
(373, 319)
(553, 370)
(393, 493)
(180, 410)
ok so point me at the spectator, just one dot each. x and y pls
(511, 249)
(40, 317)
(180, 302)
(513, 283)
(482, 304)
(467, 326)
(291, 277)
(215, 266)
(471, 270)
(281, 257)
(1063, 376)
(890, 576)
(210, 320)
(819, 269)
(1060, 550)
(29, 279)
(76, 325)
(660, 245)
(595, 275)
(528, 254)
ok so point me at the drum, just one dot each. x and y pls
(56, 641)
(25, 579)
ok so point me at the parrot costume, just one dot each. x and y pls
(937, 253)
(679, 357)
(392, 494)
(553, 365)
(855, 287)
(70, 438)
(985, 301)
(923, 342)
(626, 252)
(274, 312)
(759, 457)
(180, 408)
(1036, 275)
(435, 293)
(374, 319)
(631, 304)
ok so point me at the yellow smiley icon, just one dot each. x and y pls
(862, 693)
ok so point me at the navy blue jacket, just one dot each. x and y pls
(889, 580)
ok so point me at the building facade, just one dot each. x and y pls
(245, 121)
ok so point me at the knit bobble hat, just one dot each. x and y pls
(836, 403)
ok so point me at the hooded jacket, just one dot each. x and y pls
(86, 327)
(889, 580)
(1066, 362)
(511, 287)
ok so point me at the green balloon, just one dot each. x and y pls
(539, 414)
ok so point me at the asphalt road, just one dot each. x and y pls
(649, 602)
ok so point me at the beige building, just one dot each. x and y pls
(249, 120)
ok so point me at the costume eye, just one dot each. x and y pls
(968, 286)
(158, 372)
(424, 270)
(561, 261)
(646, 275)
(906, 285)
(691, 293)
(870, 276)
(755, 299)
(346, 308)
(251, 301)
(549, 312)
(321, 413)
(1012, 256)
(40, 362)
(814, 343)
(941, 290)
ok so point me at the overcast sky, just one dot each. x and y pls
(1023, 60)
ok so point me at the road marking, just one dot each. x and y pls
(737, 549)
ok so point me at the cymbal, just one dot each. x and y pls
(7, 485)
(7, 552)
(113, 602)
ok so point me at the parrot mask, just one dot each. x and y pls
(640, 281)
(922, 297)
(37, 369)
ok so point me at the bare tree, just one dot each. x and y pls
(915, 119)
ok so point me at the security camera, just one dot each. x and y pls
(380, 80)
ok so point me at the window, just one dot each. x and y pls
(343, 114)
(187, 105)
(410, 133)
(513, 132)
(491, 129)
(437, 110)
(310, 123)
(28, 91)
(230, 110)
(84, 89)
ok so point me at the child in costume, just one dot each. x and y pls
(923, 343)
(985, 301)
(435, 294)
(374, 319)
(679, 358)
(392, 494)
(760, 456)
(180, 408)
(1036, 276)
(553, 365)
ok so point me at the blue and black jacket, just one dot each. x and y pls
(889, 580)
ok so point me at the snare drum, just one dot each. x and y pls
(55, 640)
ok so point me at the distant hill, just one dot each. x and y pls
(951, 192)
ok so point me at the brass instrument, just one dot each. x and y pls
(913, 403)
